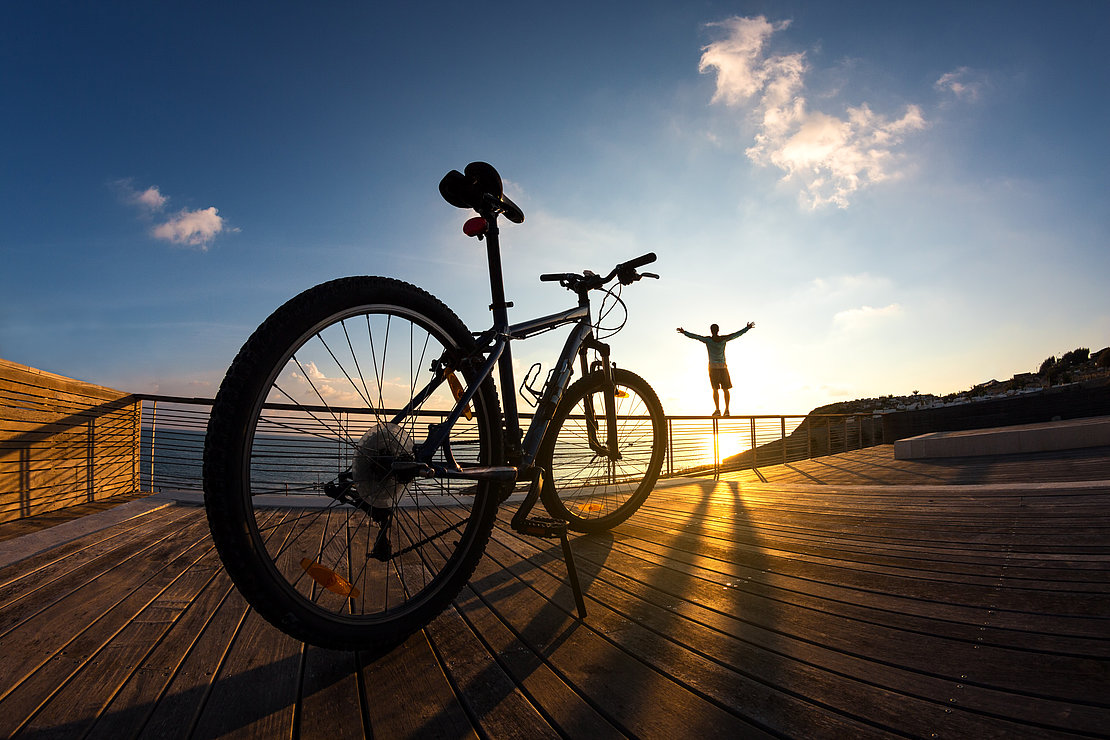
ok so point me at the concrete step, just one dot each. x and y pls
(1069, 434)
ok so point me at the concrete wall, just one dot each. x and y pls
(1076, 401)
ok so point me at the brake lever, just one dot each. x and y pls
(649, 274)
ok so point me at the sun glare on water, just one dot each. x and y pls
(726, 444)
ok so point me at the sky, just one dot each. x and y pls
(903, 197)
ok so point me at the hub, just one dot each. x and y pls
(372, 471)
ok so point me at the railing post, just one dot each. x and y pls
(670, 448)
(90, 461)
(716, 450)
(153, 429)
(755, 455)
(809, 438)
(137, 452)
(782, 422)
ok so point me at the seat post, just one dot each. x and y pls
(500, 308)
(496, 278)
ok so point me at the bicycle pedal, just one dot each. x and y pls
(539, 526)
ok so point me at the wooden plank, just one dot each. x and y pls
(13, 374)
(259, 677)
(800, 647)
(330, 700)
(193, 661)
(33, 587)
(928, 660)
(258, 683)
(491, 696)
(81, 700)
(723, 670)
(408, 694)
(77, 626)
(566, 710)
(130, 709)
(28, 525)
(645, 702)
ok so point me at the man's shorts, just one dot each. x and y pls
(718, 378)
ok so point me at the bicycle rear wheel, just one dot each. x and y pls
(593, 493)
(314, 523)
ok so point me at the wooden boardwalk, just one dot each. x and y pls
(847, 596)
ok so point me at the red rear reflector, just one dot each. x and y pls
(475, 226)
(329, 579)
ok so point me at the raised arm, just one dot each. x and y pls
(698, 337)
(751, 324)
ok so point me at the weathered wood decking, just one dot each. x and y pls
(847, 596)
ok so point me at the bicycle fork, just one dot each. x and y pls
(609, 398)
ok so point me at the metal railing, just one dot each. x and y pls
(173, 429)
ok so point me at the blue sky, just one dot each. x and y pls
(902, 197)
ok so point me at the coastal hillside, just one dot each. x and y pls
(820, 436)
(1078, 366)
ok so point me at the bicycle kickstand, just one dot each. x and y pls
(548, 528)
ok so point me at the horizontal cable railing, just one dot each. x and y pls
(173, 430)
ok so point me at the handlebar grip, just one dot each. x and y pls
(646, 259)
(552, 277)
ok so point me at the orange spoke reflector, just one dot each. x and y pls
(589, 507)
(620, 394)
(456, 388)
(329, 579)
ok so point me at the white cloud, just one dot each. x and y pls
(831, 157)
(865, 317)
(741, 73)
(191, 228)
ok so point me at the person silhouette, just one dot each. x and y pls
(718, 369)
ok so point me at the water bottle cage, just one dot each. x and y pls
(528, 390)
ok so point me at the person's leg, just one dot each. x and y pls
(726, 400)
(716, 403)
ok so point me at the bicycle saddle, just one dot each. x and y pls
(471, 188)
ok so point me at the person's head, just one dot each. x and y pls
(713, 329)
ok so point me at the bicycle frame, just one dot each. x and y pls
(520, 453)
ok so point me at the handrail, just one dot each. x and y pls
(174, 426)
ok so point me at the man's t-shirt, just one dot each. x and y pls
(716, 346)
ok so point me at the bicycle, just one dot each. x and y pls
(352, 480)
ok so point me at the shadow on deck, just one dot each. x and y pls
(847, 596)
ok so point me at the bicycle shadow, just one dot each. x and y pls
(675, 600)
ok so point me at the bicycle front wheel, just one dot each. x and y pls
(315, 523)
(593, 493)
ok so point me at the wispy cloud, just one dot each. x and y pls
(865, 317)
(191, 228)
(150, 199)
(831, 156)
(963, 83)
(837, 287)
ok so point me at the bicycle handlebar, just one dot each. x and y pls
(625, 272)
